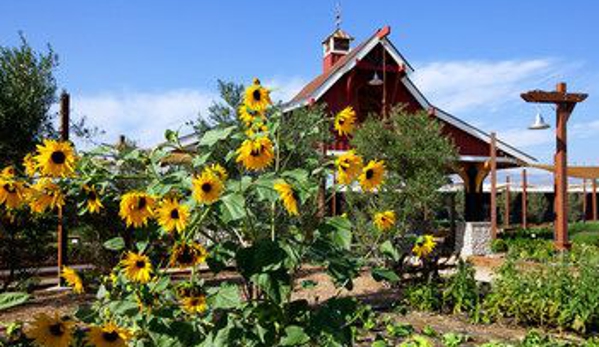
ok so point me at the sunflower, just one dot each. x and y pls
(29, 165)
(50, 331)
(257, 98)
(384, 220)
(94, 205)
(12, 193)
(256, 128)
(72, 279)
(55, 158)
(172, 215)
(218, 171)
(207, 188)
(45, 194)
(372, 175)
(345, 121)
(248, 116)
(256, 154)
(288, 196)
(424, 246)
(108, 335)
(188, 254)
(194, 304)
(8, 172)
(349, 165)
(136, 208)
(138, 267)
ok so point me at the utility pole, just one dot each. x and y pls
(584, 200)
(61, 232)
(565, 103)
(493, 156)
(524, 200)
(506, 220)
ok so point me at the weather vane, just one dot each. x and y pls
(338, 15)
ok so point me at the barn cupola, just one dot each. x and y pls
(335, 47)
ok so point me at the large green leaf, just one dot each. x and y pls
(294, 336)
(387, 249)
(232, 207)
(225, 297)
(12, 299)
(339, 231)
(382, 274)
(115, 244)
(213, 136)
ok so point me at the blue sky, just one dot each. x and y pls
(134, 67)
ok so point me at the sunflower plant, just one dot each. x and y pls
(185, 221)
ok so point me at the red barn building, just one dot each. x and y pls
(372, 78)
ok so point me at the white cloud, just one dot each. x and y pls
(140, 116)
(144, 116)
(463, 85)
(284, 88)
(585, 130)
(526, 138)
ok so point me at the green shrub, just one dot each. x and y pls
(461, 292)
(560, 294)
(499, 246)
(424, 297)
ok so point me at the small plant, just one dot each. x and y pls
(424, 297)
(454, 339)
(461, 293)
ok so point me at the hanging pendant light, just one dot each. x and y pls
(539, 123)
(376, 80)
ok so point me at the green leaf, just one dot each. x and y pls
(200, 160)
(381, 274)
(339, 229)
(115, 244)
(12, 299)
(387, 249)
(225, 297)
(299, 175)
(309, 284)
(213, 136)
(294, 336)
(232, 207)
(171, 136)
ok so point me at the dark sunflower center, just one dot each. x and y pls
(175, 214)
(195, 302)
(140, 264)
(256, 152)
(91, 195)
(58, 157)
(186, 256)
(369, 174)
(257, 95)
(9, 188)
(56, 329)
(206, 187)
(110, 336)
(142, 203)
(341, 121)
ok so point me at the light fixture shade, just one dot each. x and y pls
(376, 80)
(539, 123)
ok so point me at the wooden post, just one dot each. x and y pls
(62, 235)
(584, 200)
(594, 199)
(493, 185)
(561, 176)
(565, 103)
(506, 220)
(524, 200)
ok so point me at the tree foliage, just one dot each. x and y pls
(27, 91)
(418, 157)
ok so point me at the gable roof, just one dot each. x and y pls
(314, 90)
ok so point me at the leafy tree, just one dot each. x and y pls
(27, 90)
(418, 157)
(221, 113)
